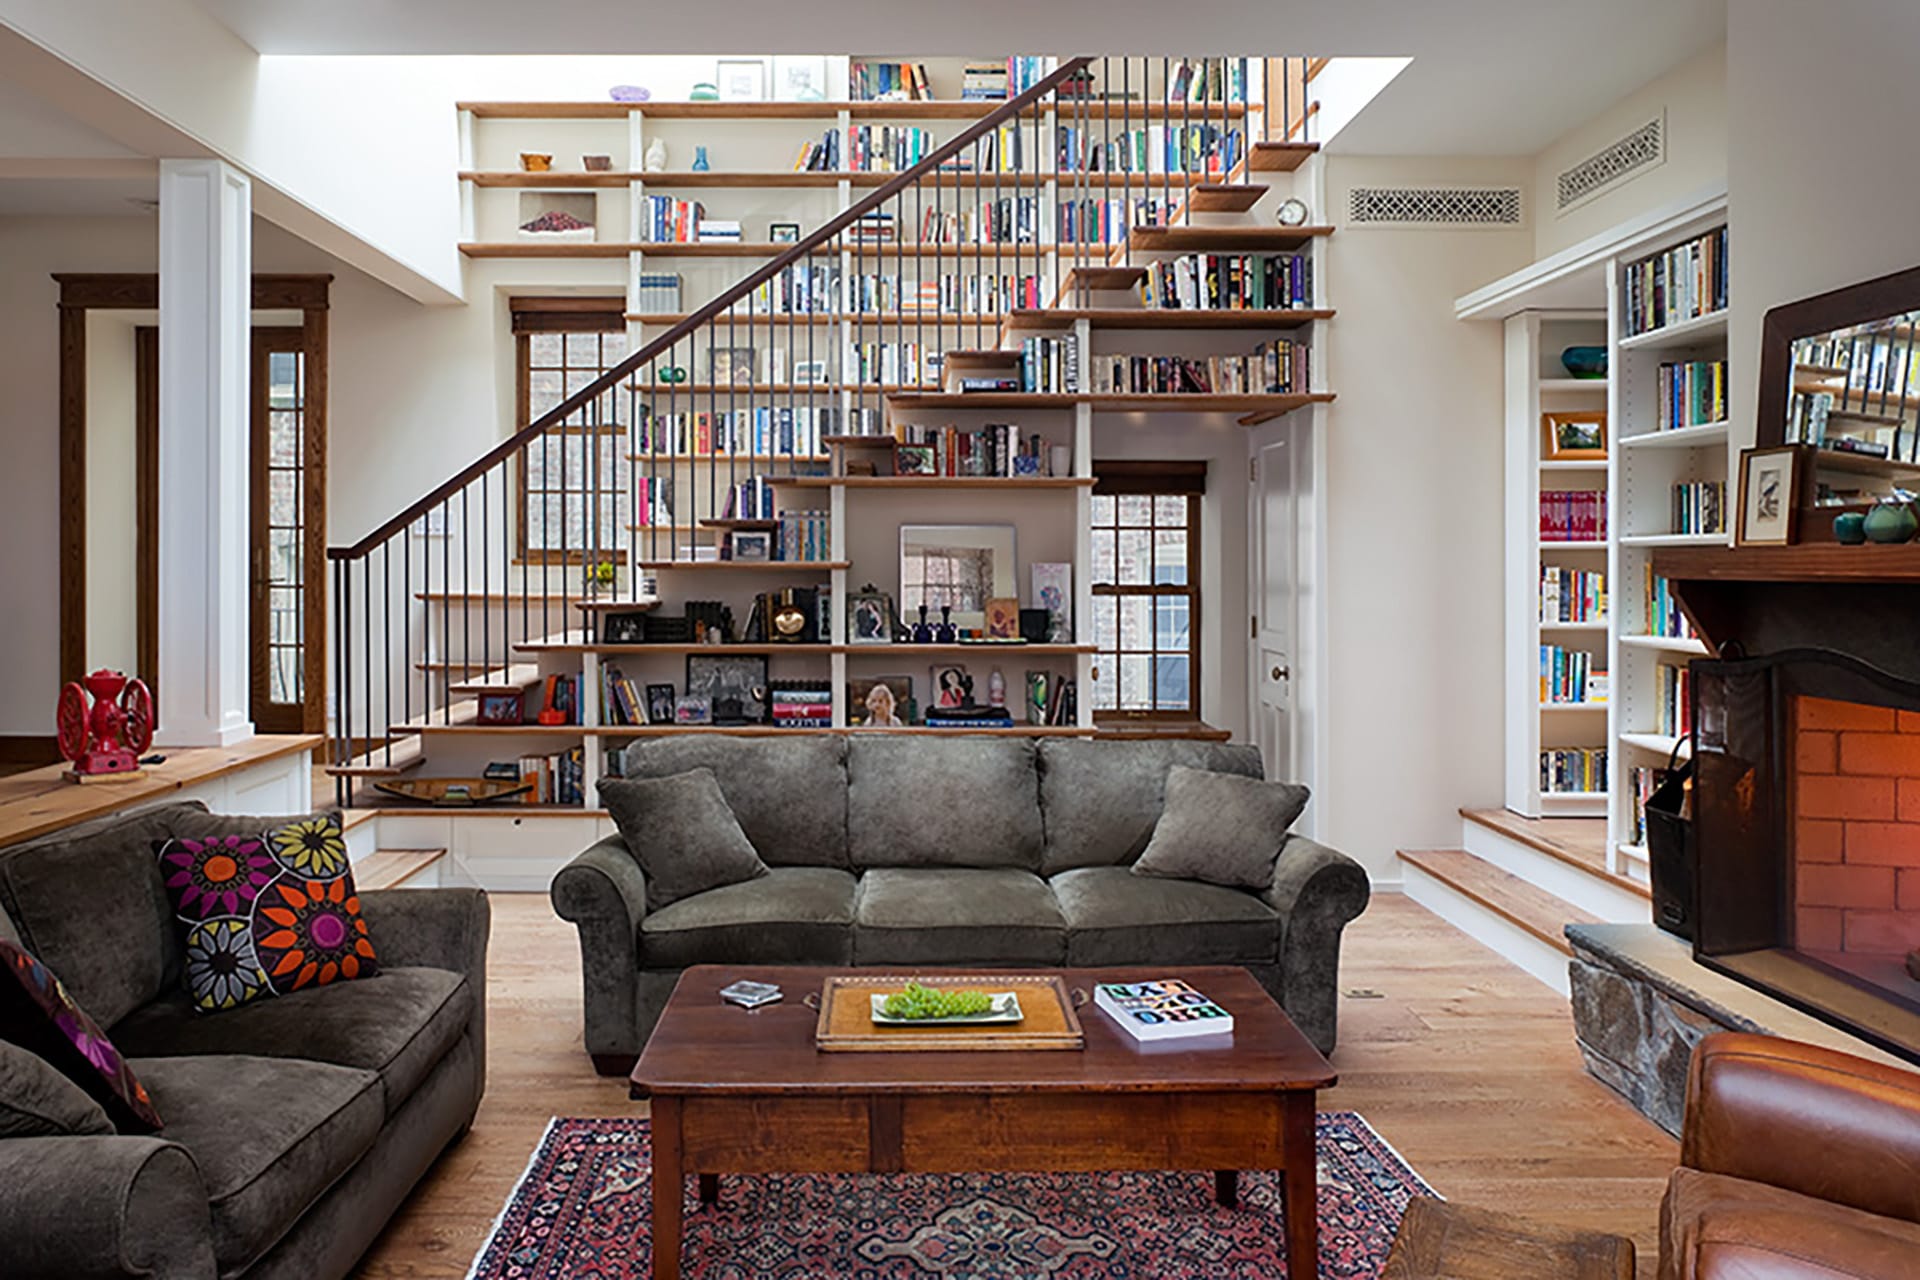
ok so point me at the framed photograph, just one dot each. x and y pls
(913, 459)
(751, 544)
(733, 685)
(799, 78)
(1003, 618)
(624, 628)
(784, 232)
(692, 711)
(870, 617)
(1575, 437)
(730, 364)
(882, 702)
(741, 79)
(950, 688)
(810, 373)
(1769, 496)
(660, 702)
(502, 708)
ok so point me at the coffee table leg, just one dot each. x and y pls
(669, 1188)
(1226, 1187)
(1300, 1181)
(709, 1188)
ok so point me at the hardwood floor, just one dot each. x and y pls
(1464, 1063)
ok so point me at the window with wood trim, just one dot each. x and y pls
(1146, 589)
(572, 481)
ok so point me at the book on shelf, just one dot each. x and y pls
(1212, 80)
(819, 157)
(1229, 282)
(1007, 220)
(620, 700)
(891, 363)
(875, 226)
(1691, 393)
(1641, 785)
(1165, 1009)
(665, 220)
(946, 720)
(1278, 367)
(1680, 284)
(996, 450)
(888, 81)
(888, 148)
(1573, 515)
(1049, 365)
(657, 292)
(1572, 595)
(559, 778)
(1664, 615)
(1672, 701)
(1573, 771)
(1105, 221)
(983, 81)
(764, 430)
(804, 535)
(1568, 676)
(719, 230)
(1700, 506)
(1024, 72)
(801, 704)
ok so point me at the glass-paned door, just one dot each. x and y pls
(287, 527)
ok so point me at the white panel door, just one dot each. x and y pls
(1275, 580)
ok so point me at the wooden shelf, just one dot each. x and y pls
(928, 319)
(936, 482)
(1573, 706)
(616, 606)
(718, 523)
(1279, 157)
(1225, 197)
(1248, 239)
(1685, 333)
(696, 458)
(953, 650)
(1103, 277)
(1809, 562)
(1267, 405)
(537, 249)
(1859, 464)
(607, 648)
(1566, 544)
(964, 109)
(1561, 386)
(550, 180)
(746, 249)
(802, 389)
(748, 566)
(1165, 318)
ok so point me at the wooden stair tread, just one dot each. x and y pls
(1246, 239)
(1581, 843)
(1103, 277)
(493, 597)
(1524, 905)
(1279, 157)
(466, 711)
(511, 678)
(1225, 197)
(388, 868)
(382, 762)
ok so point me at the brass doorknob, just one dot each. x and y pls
(1282, 673)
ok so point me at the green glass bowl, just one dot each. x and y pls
(704, 92)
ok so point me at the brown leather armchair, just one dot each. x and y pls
(1796, 1163)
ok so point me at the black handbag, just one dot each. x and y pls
(1670, 846)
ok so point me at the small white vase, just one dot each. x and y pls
(656, 157)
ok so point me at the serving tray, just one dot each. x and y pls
(846, 1016)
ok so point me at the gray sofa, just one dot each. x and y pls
(293, 1127)
(909, 850)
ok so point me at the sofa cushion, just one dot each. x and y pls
(791, 915)
(951, 915)
(269, 1135)
(399, 1024)
(39, 1014)
(942, 802)
(1221, 829)
(36, 1101)
(1714, 1227)
(682, 832)
(1117, 918)
(788, 793)
(1102, 799)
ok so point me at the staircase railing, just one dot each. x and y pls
(523, 547)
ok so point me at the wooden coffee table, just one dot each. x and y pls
(735, 1091)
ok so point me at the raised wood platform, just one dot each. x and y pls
(1579, 842)
(1522, 905)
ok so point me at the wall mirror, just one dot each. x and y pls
(957, 566)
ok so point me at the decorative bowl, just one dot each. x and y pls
(704, 92)
(1850, 528)
(596, 164)
(630, 93)
(1585, 362)
(1890, 522)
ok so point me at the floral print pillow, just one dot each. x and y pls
(268, 914)
(38, 1014)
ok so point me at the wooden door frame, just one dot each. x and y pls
(82, 292)
(311, 714)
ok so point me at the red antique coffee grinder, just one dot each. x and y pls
(105, 742)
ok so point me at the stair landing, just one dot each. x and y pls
(1579, 842)
(1525, 906)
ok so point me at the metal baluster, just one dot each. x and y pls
(343, 663)
(446, 611)
(486, 583)
(1906, 375)
(406, 629)
(1126, 150)
(386, 630)
(366, 633)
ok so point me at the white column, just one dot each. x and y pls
(206, 268)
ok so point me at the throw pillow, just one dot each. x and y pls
(262, 915)
(682, 833)
(1221, 828)
(38, 1015)
(36, 1101)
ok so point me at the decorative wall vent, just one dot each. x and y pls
(1613, 164)
(1435, 206)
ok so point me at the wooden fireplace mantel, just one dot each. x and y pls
(1812, 562)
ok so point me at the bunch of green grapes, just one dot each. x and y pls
(917, 1001)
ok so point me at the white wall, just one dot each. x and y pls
(113, 632)
(1693, 99)
(1412, 693)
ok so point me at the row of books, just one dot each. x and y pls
(804, 535)
(1198, 147)
(786, 430)
(1664, 617)
(1104, 221)
(804, 287)
(1568, 675)
(1573, 771)
(888, 148)
(1883, 365)
(1573, 515)
(1052, 699)
(1672, 700)
(983, 81)
(657, 292)
(997, 449)
(1209, 80)
(1683, 283)
(955, 292)
(1003, 150)
(1277, 367)
(1871, 430)
(665, 220)
(888, 82)
(1228, 282)
(1049, 364)
(1023, 73)
(1692, 394)
(621, 702)
(1008, 220)
(1645, 780)
(819, 157)
(719, 230)
(1700, 506)
(801, 704)
(1572, 595)
(559, 778)
(892, 363)
(750, 499)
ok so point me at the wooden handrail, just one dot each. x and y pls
(666, 341)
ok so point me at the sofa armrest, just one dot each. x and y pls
(604, 893)
(91, 1208)
(1814, 1121)
(431, 928)
(1316, 890)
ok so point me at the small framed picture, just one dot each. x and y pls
(741, 79)
(1769, 496)
(1003, 618)
(1575, 437)
(660, 704)
(951, 688)
(501, 708)
(692, 710)
(624, 628)
(870, 617)
(784, 232)
(730, 364)
(809, 373)
(800, 78)
(913, 459)
(733, 685)
(751, 544)
(882, 702)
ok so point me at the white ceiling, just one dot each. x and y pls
(1490, 77)
(77, 197)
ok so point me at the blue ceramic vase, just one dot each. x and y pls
(1850, 528)
(1891, 522)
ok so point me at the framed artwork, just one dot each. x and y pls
(949, 689)
(1003, 618)
(799, 78)
(692, 710)
(870, 617)
(913, 459)
(733, 685)
(501, 708)
(882, 702)
(660, 704)
(810, 373)
(1574, 437)
(751, 544)
(730, 364)
(741, 79)
(1769, 496)
(624, 628)
(956, 567)
(784, 232)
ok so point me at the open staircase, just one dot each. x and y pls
(511, 563)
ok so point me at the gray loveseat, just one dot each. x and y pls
(293, 1127)
(927, 850)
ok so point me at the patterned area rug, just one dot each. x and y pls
(583, 1211)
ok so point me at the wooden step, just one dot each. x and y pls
(1280, 157)
(1103, 277)
(1226, 197)
(404, 757)
(1248, 239)
(1581, 843)
(463, 712)
(391, 868)
(1507, 896)
(511, 678)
